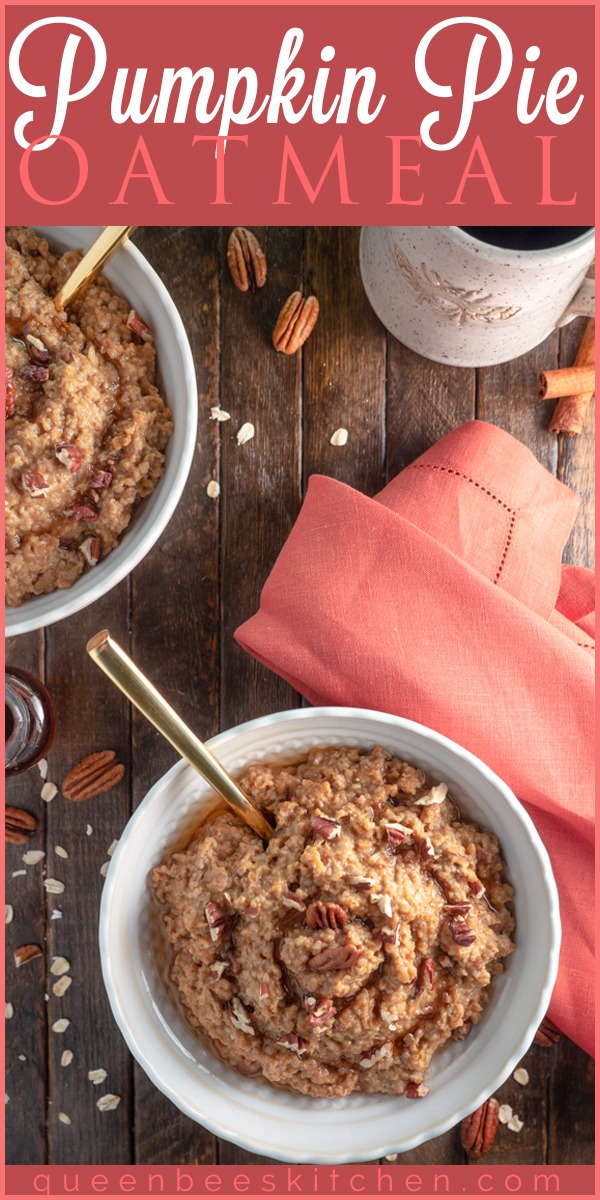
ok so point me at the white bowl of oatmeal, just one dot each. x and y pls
(246, 1108)
(91, 482)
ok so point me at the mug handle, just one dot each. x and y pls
(582, 304)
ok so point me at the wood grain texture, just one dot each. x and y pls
(178, 613)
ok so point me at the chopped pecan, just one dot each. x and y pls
(388, 936)
(80, 512)
(95, 774)
(216, 920)
(547, 1034)
(397, 833)
(91, 549)
(37, 350)
(217, 969)
(377, 1054)
(292, 1041)
(435, 795)
(290, 900)
(462, 934)
(478, 1130)
(34, 483)
(458, 910)
(70, 456)
(18, 825)
(334, 958)
(416, 1091)
(239, 1016)
(10, 391)
(246, 260)
(476, 888)
(101, 479)
(295, 323)
(361, 883)
(34, 373)
(24, 954)
(425, 975)
(320, 915)
(264, 992)
(138, 325)
(251, 912)
(323, 1013)
(325, 827)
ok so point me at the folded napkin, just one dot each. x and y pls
(444, 600)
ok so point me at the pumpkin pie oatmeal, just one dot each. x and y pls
(342, 955)
(86, 427)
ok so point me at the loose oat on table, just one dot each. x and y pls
(213, 489)
(54, 886)
(62, 985)
(112, 847)
(521, 1076)
(9, 1011)
(245, 433)
(16, 874)
(64, 1119)
(8, 913)
(61, 1025)
(43, 768)
(66, 1058)
(32, 857)
(219, 414)
(48, 792)
(86, 429)
(56, 914)
(104, 869)
(337, 959)
(505, 1113)
(339, 437)
(98, 1075)
(108, 1102)
(60, 852)
(59, 965)
(515, 1124)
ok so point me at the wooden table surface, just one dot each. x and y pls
(177, 614)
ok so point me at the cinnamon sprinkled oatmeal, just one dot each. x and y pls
(355, 985)
(86, 427)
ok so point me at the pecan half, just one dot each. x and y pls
(18, 825)
(34, 483)
(25, 954)
(325, 827)
(462, 934)
(95, 774)
(10, 391)
(293, 1041)
(325, 916)
(323, 1013)
(70, 456)
(477, 1131)
(246, 260)
(334, 958)
(295, 323)
(547, 1034)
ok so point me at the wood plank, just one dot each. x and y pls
(571, 1130)
(425, 400)
(343, 365)
(260, 480)
(26, 1053)
(576, 463)
(91, 716)
(507, 395)
(174, 616)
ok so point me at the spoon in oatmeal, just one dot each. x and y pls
(105, 245)
(112, 659)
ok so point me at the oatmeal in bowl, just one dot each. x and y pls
(99, 424)
(181, 939)
(342, 955)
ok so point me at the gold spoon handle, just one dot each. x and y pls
(115, 663)
(92, 263)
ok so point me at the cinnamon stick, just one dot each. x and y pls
(568, 381)
(571, 411)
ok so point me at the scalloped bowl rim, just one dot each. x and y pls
(263, 1119)
(151, 518)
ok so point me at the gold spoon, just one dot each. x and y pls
(92, 263)
(115, 663)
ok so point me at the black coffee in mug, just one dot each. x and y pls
(526, 237)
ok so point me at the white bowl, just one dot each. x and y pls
(253, 1114)
(133, 278)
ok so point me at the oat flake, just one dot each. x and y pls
(43, 768)
(521, 1076)
(15, 874)
(48, 792)
(108, 1102)
(98, 1075)
(54, 886)
(60, 966)
(61, 852)
(64, 1118)
(339, 437)
(56, 914)
(88, 830)
(66, 1058)
(32, 857)
(515, 1124)
(8, 1010)
(22, 1057)
(112, 848)
(8, 913)
(60, 1025)
(104, 869)
(245, 433)
(213, 489)
(219, 414)
(62, 985)
(505, 1112)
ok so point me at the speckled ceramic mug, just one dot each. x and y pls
(458, 300)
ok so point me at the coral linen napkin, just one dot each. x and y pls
(444, 600)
